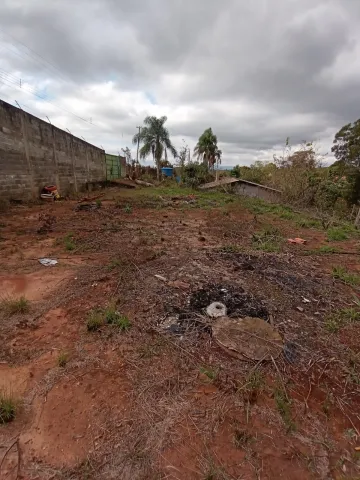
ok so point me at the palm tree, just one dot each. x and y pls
(155, 139)
(207, 150)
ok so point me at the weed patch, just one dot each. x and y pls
(253, 386)
(113, 317)
(69, 242)
(349, 278)
(128, 209)
(63, 359)
(95, 321)
(7, 407)
(283, 404)
(210, 373)
(337, 234)
(109, 316)
(268, 240)
(336, 320)
(308, 223)
(15, 306)
(325, 250)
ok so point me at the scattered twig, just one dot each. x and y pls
(15, 442)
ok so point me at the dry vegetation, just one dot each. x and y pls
(103, 392)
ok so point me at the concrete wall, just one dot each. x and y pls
(256, 191)
(34, 153)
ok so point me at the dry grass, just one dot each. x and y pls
(8, 407)
(13, 306)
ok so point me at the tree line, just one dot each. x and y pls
(300, 174)
(154, 138)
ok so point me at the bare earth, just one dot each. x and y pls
(152, 404)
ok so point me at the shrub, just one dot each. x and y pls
(195, 174)
(94, 321)
(13, 306)
(7, 407)
(62, 359)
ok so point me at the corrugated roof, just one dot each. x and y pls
(230, 180)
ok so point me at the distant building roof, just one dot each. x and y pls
(230, 180)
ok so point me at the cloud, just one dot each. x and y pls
(255, 72)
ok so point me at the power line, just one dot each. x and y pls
(40, 58)
(10, 78)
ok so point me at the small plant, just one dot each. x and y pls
(114, 264)
(283, 405)
(113, 317)
(98, 203)
(349, 278)
(69, 242)
(332, 324)
(13, 306)
(254, 384)
(339, 318)
(337, 234)
(63, 359)
(94, 321)
(211, 373)
(7, 407)
(128, 209)
(268, 240)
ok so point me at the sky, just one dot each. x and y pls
(256, 72)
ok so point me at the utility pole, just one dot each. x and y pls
(137, 153)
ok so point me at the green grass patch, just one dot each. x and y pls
(349, 278)
(62, 359)
(113, 317)
(128, 209)
(268, 240)
(14, 306)
(108, 316)
(325, 250)
(211, 373)
(304, 222)
(339, 318)
(69, 242)
(8, 406)
(337, 234)
(341, 232)
(283, 405)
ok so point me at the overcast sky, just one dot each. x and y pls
(256, 72)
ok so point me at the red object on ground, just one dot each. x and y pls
(298, 241)
(50, 188)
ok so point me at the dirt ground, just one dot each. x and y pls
(150, 403)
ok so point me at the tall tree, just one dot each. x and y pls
(155, 140)
(347, 144)
(207, 150)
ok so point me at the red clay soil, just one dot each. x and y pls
(143, 403)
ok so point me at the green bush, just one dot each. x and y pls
(195, 174)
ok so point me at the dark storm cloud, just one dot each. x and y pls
(255, 72)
